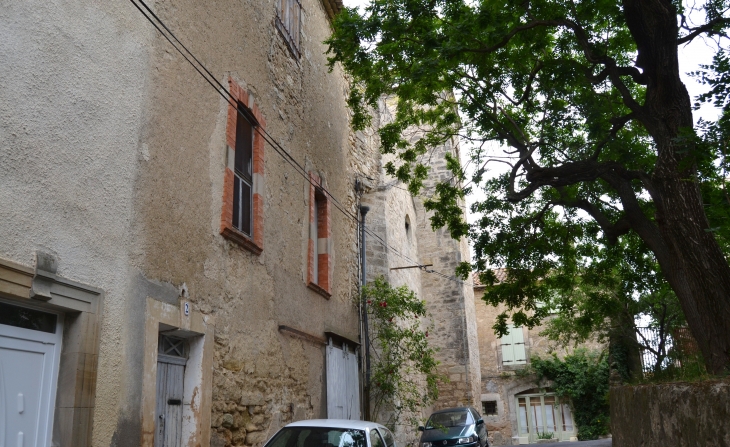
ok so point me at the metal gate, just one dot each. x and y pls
(343, 384)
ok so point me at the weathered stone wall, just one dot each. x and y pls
(671, 414)
(449, 300)
(262, 377)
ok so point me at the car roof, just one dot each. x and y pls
(336, 423)
(449, 410)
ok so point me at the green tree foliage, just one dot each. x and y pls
(582, 103)
(583, 377)
(404, 377)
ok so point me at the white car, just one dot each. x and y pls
(332, 433)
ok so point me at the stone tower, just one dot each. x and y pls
(405, 239)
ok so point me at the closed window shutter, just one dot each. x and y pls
(518, 344)
(508, 355)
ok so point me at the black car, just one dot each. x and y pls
(461, 427)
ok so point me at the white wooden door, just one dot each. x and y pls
(30, 343)
(343, 383)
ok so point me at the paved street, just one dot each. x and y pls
(596, 443)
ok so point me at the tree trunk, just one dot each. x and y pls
(624, 349)
(689, 255)
(698, 272)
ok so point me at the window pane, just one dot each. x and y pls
(550, 414)
(244, 146)
(450, 419)
(245, 205)
(375, 440)
(388, 437)
(567, 418)
(236, 202)
(317, 437)
(524, 423)
(25, 318)
(536, 412)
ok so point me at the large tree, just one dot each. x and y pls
(584, 102)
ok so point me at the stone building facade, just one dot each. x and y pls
(513, 406)
(122, 210)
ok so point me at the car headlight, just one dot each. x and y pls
(426, 444)
(468, 440)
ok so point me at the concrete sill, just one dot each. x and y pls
(241, 239)
(319, 290)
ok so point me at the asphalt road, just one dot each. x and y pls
(596, 443)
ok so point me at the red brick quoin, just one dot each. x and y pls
(255, 243)
(319, 239)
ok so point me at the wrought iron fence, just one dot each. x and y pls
(664, 351)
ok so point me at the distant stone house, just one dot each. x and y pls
(175, 269)
(514, 407)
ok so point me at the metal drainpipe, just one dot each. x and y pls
(363, 211)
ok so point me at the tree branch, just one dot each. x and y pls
(610, 229)
(708, 28)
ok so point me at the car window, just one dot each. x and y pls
(317, 437)
(387, 437)
(450, 419)
(375, 439)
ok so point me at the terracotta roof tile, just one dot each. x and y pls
(501, 275)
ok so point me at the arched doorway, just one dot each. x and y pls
(541, 414)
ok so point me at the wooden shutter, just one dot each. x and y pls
(508, 355)
(513, 347)
(518, 345)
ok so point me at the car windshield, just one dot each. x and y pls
(449, 419)
(318, 437)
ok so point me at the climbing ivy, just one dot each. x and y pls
(404, 377)
(583, 377)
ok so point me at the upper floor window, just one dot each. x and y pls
(513, 347)
(319, 271)
(288, 21)
(243, 172)
(242, 214)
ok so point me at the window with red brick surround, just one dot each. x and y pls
(242, 214)
(319, 265)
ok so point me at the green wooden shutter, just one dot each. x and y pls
(518, 345)
(508, 355)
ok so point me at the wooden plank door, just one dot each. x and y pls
(343, 383)
(171, 360)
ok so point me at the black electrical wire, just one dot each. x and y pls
(228, 97)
